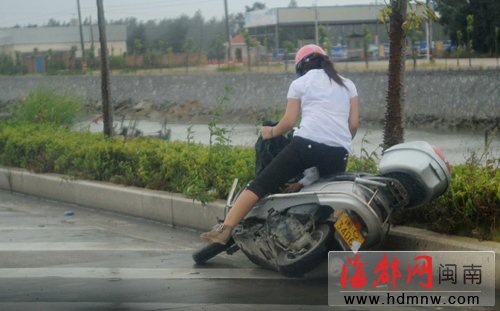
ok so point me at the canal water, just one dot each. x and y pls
(457, 145)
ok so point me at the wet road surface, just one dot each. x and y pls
(96, 260)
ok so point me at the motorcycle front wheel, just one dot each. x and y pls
(293, 265)
(209, 251)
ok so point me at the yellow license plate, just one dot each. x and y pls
(348, 231)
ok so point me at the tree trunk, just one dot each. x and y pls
(107, 107)
(394, 129)
(248, 58)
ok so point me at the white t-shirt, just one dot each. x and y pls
(325, 108)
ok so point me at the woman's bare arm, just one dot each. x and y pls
(354, 116)
(286, 123)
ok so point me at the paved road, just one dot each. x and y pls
(95, 260)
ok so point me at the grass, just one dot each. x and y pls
(279, 67)
(45, 105)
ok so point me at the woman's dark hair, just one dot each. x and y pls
(319, 61)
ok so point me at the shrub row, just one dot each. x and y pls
(198, 171)
(471, 206)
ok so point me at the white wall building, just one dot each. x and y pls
(61, 39)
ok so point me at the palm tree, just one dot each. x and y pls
(401, 22)
(393, 128)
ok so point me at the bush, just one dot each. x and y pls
(201, 172)
(362, 164)
(470, 207)
(44, 105)
(229, 68)
(198, 171)
(117, 62)
(9, 66)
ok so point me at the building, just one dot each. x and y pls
(344, 24)
(36, 42)
(239, 51)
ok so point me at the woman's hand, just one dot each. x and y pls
(286, 123)
(295, 187)
(267, 132)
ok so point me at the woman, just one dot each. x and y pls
(330, 119)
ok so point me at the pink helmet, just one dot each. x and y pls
(307, 50)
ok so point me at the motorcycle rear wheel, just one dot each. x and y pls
(291, 265)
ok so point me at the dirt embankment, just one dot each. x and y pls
(188, 111)
(194, 111)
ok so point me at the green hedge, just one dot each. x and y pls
(471, 207)
(192, 169)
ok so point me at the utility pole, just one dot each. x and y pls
(428, 36)
(91, 33)
(228, 33)
(316, 35)
(92, 45)
(81, 35)
(276, 33)
(107, 108)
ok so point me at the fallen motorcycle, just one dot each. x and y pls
(292, 233)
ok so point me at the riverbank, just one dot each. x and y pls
(436, 99)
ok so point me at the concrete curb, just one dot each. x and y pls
(165, 207)
(177, 210)
(403, 238)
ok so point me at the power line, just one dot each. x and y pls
(111, 10)
(153, 6)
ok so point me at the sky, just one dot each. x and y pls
(25, 12)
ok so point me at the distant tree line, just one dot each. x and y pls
(471, 22)
(9, 66)
(181, 34)
(473, 25)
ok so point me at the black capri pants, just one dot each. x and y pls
(297, 156)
